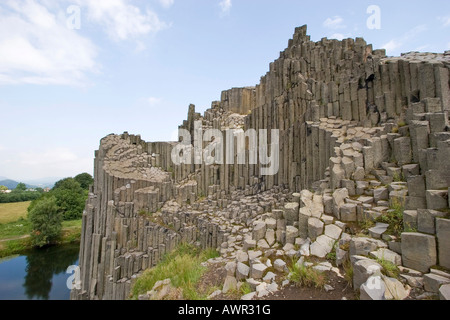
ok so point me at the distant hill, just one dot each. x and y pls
(11, 184)
(43, 183)
(30, 183)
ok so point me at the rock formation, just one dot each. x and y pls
(360, 133)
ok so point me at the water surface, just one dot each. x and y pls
(38, 274)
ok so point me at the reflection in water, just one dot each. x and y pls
(35, 275)
(42, 265)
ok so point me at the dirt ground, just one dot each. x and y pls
(215, 277)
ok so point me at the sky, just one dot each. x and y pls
(74, 71)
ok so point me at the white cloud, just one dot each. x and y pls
(152, 101)
(334, 23)
(166, 3)
(445, 21)
(394, 45)
(225, 6)
(122, 20)
(36, 47)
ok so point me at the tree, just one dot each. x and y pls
(46, 222)
(85, 180)
(21, 187)
(70, 198)
(3, 188)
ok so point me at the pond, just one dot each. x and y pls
(38, 274)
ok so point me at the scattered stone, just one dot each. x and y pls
(258, 270)
(315, 228)
(363, 269)
(229, 285)
(444, 292)
(249, 296)
(373, 289)
(395, 289)
(433, 282)
(328, 288)
(377, 231)
(333, 231)
(322, 246)
(280, 265)
(388, 255)
(242, 271)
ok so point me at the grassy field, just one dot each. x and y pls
(11, 212)
(15, 229)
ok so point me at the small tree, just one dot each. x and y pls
(21, 187)
(70, 198)
(46, 222)
(3, 188)
(85, 180)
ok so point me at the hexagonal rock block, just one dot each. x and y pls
(410, 220)
(433, 282)
(242, 271)
(443, 236)
(333, 231)
(315, 228)
(280, 265)
(258, 270)
(322, 246)
(377, 231)
(395, 289)
(437, 199)
(271, 223)
(362, 246)
(270, 237)
(418, 251)
(339, 197)
(229, 284)
(380, 194)
(230, 267)
(426, 220)
(249, 244)
(444, 292)
(259, 231)
(388, 255)
(348, 212)
(370, 293)
(291, 211)
(363, 270)
(291, 234)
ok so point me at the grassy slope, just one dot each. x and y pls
(10, 212)
(183, 267)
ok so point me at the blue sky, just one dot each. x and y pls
(136, 65)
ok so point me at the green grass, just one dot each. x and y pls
(10, 212)
(348, 272)
(306, 276)
(15, 229)
(71, 233)
(394, 218)
(389, 269)
(182, 267)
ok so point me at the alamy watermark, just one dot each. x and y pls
(238, 144)
(74, 281)
(73, 21)
(374, 20)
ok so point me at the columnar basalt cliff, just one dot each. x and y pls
(360, 135)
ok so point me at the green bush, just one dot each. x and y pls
(46, 222)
